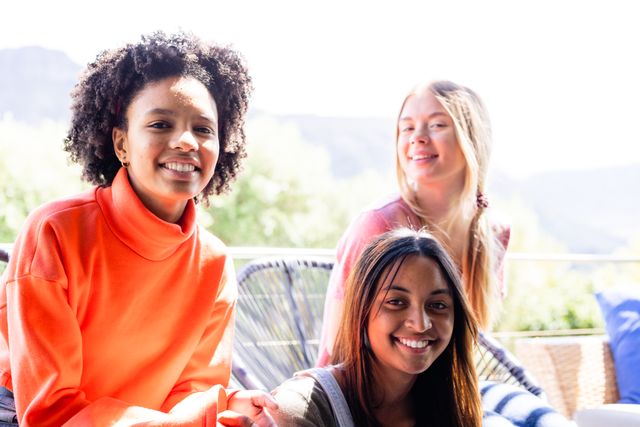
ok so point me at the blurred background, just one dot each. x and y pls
(560, 80)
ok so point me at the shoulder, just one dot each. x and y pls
(59, 216)
(383, 215)
(390, 208)
(302, 402)
(210, 244)
(380, 217)
(216, 263)
(39, 244)
(62, 210)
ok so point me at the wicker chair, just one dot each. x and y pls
(280, 307)
(577, 372)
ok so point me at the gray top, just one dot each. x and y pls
(303, 402)
(331, 387)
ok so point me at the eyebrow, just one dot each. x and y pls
(167, 112)
(437, 113)
(161, 111)
(399, 288)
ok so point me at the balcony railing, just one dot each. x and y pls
(251, 252)
(247, 253)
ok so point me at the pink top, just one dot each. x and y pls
(387, 215)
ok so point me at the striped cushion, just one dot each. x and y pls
(518, 406)
(491, 419)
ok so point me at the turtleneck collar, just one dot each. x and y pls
(138, 228)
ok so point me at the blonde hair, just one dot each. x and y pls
(473, 133)
(447, 392)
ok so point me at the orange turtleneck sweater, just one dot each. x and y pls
(110, 315)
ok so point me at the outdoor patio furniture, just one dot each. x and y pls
(278, 326)
(576, 372)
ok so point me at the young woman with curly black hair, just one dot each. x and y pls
(116, 308)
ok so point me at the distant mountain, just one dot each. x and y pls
(593, 211)
(590, 211)
(35, 83)
(354, 143)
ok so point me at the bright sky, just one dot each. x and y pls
(561, 78)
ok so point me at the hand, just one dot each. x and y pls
(199, 408)
(249, 408)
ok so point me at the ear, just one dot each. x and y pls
(119, 138)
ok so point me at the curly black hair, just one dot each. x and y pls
(109, 84)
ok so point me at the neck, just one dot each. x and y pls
(396, 406)
(448, 217)
(438, 199)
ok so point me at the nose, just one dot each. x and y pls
(420, 135)
(418, 320)
(185, 141)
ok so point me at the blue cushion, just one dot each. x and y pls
(620, 308)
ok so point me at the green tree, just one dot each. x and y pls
(286, 195)
(543, 295)
(33, 169)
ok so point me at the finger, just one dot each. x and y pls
(234, 419)
(264, 400)
(265, 420)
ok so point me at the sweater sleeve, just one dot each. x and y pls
(46, 352)
(211, 361)
(360, 233)
(48, 365)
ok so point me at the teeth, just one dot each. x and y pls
(414, 344)
(180, 167)
(423, 156)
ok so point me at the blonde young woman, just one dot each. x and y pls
(443, 143)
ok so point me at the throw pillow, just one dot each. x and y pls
(620, 308)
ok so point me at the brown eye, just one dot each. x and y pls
(204, 130)
(159, 125)
(395, 302)
(438, 306)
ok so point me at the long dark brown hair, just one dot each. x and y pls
(446, 394)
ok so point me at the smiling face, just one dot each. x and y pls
(411, 321)
(171, 144)
(427, 148)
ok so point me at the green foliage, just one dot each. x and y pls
(286, 196)
(546, 295)
(33, 169)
